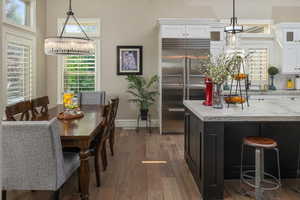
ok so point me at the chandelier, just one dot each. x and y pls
(63, 45)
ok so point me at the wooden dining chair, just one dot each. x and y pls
(39, 106)
(115, 105)
(18, 112)
(98, 145)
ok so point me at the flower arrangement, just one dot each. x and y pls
(219, 68)
(68, 101)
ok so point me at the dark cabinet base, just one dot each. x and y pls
(213, 150)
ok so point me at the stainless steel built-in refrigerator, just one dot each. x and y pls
(181, 78)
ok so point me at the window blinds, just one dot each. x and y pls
(19, 72)
(79, 73)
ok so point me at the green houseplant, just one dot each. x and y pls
(143, 92)
(272, 71)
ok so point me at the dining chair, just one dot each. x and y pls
(19, 111)
(98, 145)
(115, 105)
(92, 98)
(39, 106)
(32, 157)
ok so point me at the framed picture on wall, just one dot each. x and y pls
(129, 60)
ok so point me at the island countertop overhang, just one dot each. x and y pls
(271, 110)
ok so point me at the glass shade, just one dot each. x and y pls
(69, 46)
(232, 41)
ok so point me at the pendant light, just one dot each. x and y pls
(232, 30)
(234, 27)
(63, 45)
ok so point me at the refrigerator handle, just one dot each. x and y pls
(184, 78)
(189, 63)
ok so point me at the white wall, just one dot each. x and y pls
(134, 22)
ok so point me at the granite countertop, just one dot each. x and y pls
(270, 92)
(268, 110)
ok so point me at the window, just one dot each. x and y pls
(90, 26)
(257, 28)
(20, 13)
(79, 73)
(258, 66)
(19, 68)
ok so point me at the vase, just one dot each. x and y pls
(272, 86)
(208, 92)
(144, 114)
(217, 96)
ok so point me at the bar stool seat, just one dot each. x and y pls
(262, 142)
(258, 178)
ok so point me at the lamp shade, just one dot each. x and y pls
(69, 46)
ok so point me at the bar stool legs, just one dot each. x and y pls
(258, 179)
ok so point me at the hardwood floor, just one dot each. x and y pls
(127, 178)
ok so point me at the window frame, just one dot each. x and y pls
(97, 22)
(60, 78)
(262, 44)
(31, 27)
(27, 39)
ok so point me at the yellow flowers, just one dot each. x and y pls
(68, 101)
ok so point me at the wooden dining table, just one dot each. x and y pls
(79, 133)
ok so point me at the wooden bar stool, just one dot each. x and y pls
(259, 179)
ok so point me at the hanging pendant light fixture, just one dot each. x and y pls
(234, 27)
(232, 30)
(63, 45)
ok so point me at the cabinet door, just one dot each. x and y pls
(297, 36)
(290, 58)
(173, 31)
(216, 50)
(197, 31)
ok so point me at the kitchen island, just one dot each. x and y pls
(213, 139)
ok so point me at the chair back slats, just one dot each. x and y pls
(22, 108)
(115, 103)
(40, 103)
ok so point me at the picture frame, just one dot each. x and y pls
(129, 60)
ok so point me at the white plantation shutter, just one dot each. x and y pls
(79, 73)
(19, 71)
(258, 66)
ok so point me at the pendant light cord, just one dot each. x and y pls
(234, 20)
(69, 14)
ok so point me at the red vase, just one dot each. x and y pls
(208, 92)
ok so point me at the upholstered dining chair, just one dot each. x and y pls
(39, 106)
(18, 111)
(32, 157)
(92, 98)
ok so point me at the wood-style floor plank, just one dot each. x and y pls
(127, 178)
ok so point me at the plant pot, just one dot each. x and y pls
(144, 114)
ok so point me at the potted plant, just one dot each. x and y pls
(272, 71)
(143, 91)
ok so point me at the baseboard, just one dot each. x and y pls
(132, 123)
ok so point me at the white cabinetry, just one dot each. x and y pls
(288, 35)
(184, 31)
(290, 59)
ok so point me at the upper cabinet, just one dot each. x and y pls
(288, 35)
(184, 31)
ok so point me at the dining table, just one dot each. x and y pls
(79, 133)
